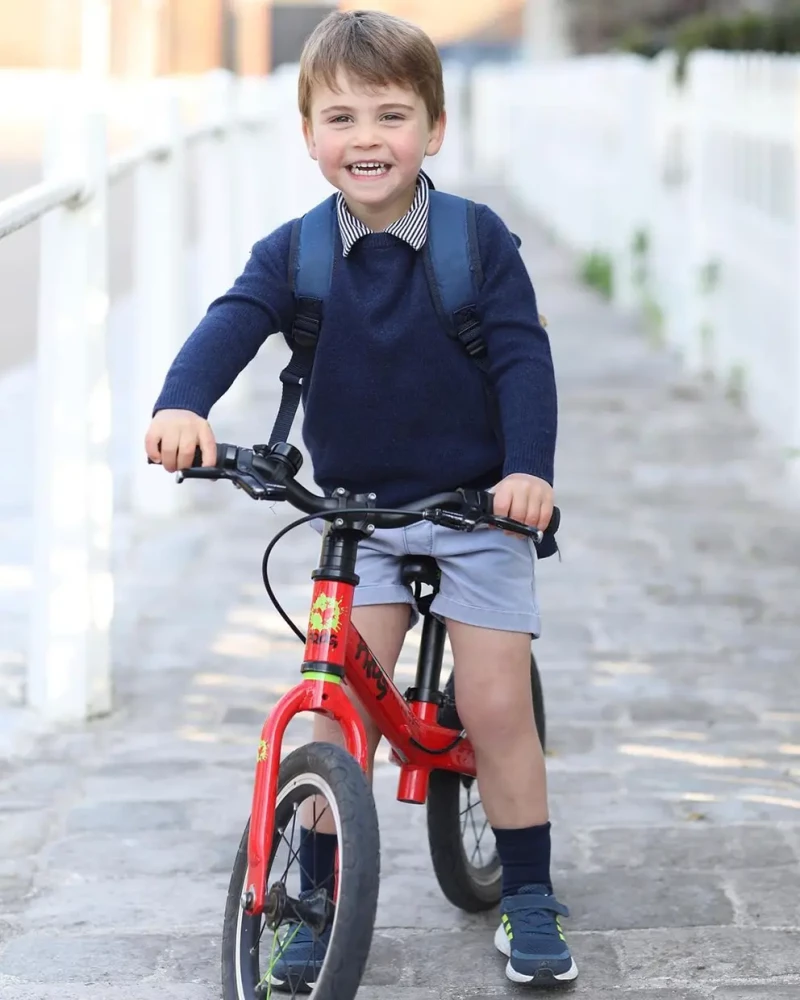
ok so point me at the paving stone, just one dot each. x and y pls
(759, 991)
(709, 954)
(145, 990)
(131, 905)
(767, 897)
(93, 856)
(622, 900)
(22, 831)
(88, 959)
(35, 785)
(191, 958)
(126, 817)
(694, 847)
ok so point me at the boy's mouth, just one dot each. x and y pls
(369, 168)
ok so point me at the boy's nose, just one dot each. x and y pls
(366, 139)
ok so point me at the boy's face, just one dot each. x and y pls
(370, 144)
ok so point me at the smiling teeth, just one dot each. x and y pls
(368, 168)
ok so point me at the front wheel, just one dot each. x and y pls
(343, 918)
(460, 837)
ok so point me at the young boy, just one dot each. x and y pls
(397, 407)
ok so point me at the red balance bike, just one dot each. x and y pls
(265, 908)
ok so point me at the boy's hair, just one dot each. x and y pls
(375, 48)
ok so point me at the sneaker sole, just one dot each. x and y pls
(543, 977)
(292, 985)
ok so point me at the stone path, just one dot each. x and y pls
(672, 630)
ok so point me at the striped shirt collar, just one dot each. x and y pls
(412, 227)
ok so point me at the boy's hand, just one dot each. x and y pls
(174, 435)
(524, 498)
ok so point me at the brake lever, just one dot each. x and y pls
(507, 524)
(257, 490)
(451, 519)
(251, 485)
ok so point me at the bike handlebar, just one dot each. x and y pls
(269, 474)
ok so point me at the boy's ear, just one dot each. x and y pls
(436, 139)
(308, 135)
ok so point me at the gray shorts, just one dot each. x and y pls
(487, 577)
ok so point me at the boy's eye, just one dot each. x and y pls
(393, 116)
(340, 119)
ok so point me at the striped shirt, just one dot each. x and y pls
(412, 227)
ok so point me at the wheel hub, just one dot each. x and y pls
(315, 910)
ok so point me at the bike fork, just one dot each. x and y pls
(321, 693)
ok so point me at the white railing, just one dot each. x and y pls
(689, 190)
(243, 156)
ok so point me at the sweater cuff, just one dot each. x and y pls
(537, 459)
(183, 397)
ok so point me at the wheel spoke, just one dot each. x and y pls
(294, 854)
(480, 837)
(472, 824)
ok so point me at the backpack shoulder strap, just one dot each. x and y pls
(453, 268)
(311, 250)
(310, 269)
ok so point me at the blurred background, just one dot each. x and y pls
(656, 139)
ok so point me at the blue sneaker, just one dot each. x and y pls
(531, 938)
(298, 957)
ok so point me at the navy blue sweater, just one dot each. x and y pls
(394, 405)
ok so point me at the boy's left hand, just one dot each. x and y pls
(524, 498)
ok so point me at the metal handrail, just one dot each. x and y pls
(28, 206)
(127, 161)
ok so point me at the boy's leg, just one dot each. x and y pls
(493, 694)
(488, 599)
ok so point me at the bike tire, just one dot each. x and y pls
(472, 888)
(320, 768)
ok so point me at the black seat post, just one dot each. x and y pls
(429, 661)
(416, 572)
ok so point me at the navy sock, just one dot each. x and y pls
(317, 856)
(525, 857)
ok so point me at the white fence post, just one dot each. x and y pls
(252, 164)
(698, 351)
(633, 209)
(220, 257)
(161, 284)
(792, 196)
(69, 673)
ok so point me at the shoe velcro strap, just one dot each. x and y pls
(530, 902)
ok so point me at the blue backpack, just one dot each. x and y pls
(452, 265)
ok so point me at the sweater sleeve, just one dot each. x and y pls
(518, 351)
(235, 326)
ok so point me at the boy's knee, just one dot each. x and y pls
(494, 714)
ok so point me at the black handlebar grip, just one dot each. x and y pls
(552, 527)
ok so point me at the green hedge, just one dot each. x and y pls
(745, 32)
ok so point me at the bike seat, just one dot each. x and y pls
(419, 569)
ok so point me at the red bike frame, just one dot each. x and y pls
(419, 744)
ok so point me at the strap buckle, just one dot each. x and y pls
(468, 331)
(470, 336)
(307, 323)
(305, 332)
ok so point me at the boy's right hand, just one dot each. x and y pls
(174, 435)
